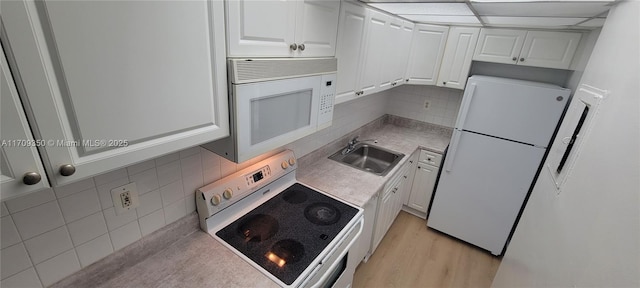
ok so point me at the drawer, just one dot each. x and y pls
(430, 158)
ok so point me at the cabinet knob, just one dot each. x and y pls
(406, 80)
(301, 47)
(293, 47)
(67, 170)
(514, 58)
(31, 178)
(444, 82)
(405, 177)
(521, 59)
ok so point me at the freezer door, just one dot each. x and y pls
(480, 194)
(512, 109)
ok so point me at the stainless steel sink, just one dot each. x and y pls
(370, 158)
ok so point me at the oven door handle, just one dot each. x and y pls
(333, 266)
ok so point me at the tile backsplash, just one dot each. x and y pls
(51, 234)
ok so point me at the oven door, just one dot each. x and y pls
(271, 114)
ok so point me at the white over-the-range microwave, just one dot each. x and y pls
(273, 102)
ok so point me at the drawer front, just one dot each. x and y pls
(430, 158)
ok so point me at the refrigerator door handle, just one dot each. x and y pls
(465, 106)
(451, 155)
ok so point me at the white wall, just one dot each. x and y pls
(589, 234)
(408, 101)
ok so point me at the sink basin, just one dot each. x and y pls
(370, 158)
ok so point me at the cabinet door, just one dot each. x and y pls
(385, 212)
(393, 46)
(404, 48)
(374, 52)
(411, 172)
(458, 53)
(499, 45)
(549, 49)
(351, 37)
(261, 28)
(316, 28)
(113, 93)
(425, 56)
(18, 153)
(422, 188)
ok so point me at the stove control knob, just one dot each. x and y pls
(228, 193)
(292, 161)
(284, 165)
(215, 200)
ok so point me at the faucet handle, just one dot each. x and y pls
(354, 140)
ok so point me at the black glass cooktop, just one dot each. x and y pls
(285, 234)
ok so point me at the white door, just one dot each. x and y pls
(351, 37)
(422, 188)
(517, 110)
(374, 49)
(458, 53)
(425, 56)
(261, 28)
(316, 28)
(549, 49)
(499, 45)
(114, 93)
(482, 188)
(18, 153)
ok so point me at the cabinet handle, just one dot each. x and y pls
(405, 177)
(419, 167)
(301, 47)
(31, 178)
(521, 59)
(293, 47)
(514, 58)
(411, 161)
(67, 170)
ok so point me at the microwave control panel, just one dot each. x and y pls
(327, 98)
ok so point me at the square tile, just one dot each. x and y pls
(141, 167)
(56, 268)
(8, 233)
(146, 181)
(190, 203)
(172, 193)
(74, 188)
(25, 279)
(167, 158)
(30, 200)
(175, 211)
(125, 235)
(190, 151)
(192, 183)
(110, 176)
(104, 192)
(226, 167)
(169, 173)
(37, 220)
(47, 245)
(149, 202)
(115, 221)
(94, 250)
(151, 222)
(79, 205)
(13, 260)
(87, 228)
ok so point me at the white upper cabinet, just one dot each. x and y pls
(22, 170)
(282, 28)
(400, 49)
(425, 56)
(371, 76)
(458, 54)
(351, 38)
(113, 83)
(548, 49)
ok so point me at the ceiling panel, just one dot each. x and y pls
(565, 9)
(531, 21)
(457, 9)
(441, 19)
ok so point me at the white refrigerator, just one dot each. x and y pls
(500, 137)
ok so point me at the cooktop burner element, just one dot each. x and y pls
(295, 196)
(322, 213)
(292, 246)
(258, 228)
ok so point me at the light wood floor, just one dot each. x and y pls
(411, 255)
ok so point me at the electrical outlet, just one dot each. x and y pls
(125, 198)
(426, 105)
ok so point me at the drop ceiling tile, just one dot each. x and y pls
(531, 21)
(425, 8)
(597, 22)
(554, 9)
(466, 20)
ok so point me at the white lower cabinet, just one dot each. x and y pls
(424, 180)
(104, 94)
(389, 205)
(361, 250)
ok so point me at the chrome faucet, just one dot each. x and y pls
(352, 145)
